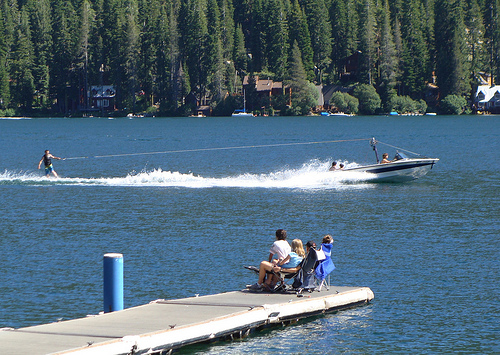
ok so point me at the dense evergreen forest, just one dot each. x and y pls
(158, 53)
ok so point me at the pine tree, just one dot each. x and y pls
(492, 36)
(415, 66)
(398, 45)
(451, 46)
(429, 25)
(304, 95)
(256, 39)
(299, 31)
(4, 73)
(214, 53)
(22, 82)
(276, 38)
(129, 52)
(87, 16)
(240, 57)
(193, 29)
(475, 39)
(320, 30)
(352, 28)
(387, 60)
(227, 28)
(368, 42)
(179, 84)
(165, 69)
(41, 28)
(64, 36)
(149, 22)
(338, 18)
(96, 47)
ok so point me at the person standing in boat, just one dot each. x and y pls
(47, 161)
(385, 159)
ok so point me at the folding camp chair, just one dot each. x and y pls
(325, 282)
(304, 280)
(283, 278)
(322, 272)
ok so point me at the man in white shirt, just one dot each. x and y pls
(280, 249)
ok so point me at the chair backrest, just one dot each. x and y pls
(310, 261)
(305, 276)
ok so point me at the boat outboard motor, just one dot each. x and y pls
(373, 143)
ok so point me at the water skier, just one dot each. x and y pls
(47, 161)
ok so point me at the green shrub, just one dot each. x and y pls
(405, 104)
(345, 102)
(352, 104)
(8, 112)
(369, 99)
(453, 105)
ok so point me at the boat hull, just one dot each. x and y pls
(398, 171)
(242, 114)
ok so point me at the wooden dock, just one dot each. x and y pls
(165, 325)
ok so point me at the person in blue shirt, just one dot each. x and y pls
(326, 266)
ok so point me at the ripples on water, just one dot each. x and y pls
(428, 249)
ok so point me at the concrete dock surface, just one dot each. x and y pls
(164, 325)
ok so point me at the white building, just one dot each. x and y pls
(487, 98)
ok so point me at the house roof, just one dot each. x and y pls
(105, 91)
(264, 84)
(486, 93)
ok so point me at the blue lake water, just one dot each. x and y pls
(188, 217)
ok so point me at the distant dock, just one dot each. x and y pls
(165, 325)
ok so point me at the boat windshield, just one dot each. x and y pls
(400, 156)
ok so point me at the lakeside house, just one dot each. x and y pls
(266, 89)
(103, 97)
(487, 99)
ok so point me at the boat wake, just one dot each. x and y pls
(311, 175)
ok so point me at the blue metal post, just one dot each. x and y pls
(113, 282)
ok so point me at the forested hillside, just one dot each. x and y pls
(155, 53)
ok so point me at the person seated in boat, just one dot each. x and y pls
(341, 166)
(290, 264)
(277, 255)
(385, 159)
(333, 167)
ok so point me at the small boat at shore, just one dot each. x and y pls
(241, 113)
(400, 169)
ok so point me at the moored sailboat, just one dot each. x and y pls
(242, 112)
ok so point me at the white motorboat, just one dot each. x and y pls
(400, 169)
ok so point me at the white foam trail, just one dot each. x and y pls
(311, 175)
